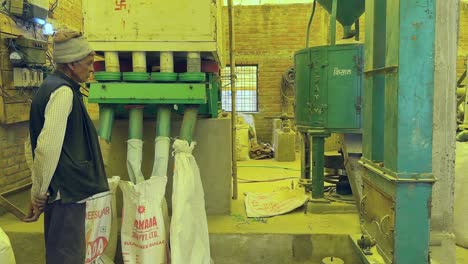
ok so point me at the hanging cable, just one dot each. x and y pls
(287, 90)
(310, 23)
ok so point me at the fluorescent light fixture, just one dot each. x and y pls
(47, 29)
(38, 21)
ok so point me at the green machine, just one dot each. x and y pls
(139, 94)
(394, 84)
(328, 90)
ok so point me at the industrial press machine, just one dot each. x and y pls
(156, 62)
(382, 89)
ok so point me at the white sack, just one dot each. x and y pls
(189, 228)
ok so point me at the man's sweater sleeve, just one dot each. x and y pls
(50, 140)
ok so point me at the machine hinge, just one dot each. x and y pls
(358, 104)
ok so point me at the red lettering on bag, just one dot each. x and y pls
(145, 223)
(95, 248)
(98, 213)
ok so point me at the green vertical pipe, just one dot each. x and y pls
(135, 120)
(357, 29)
(333, 23)
(188, 123)
(317, 162)
(106, 120)
(163, 127)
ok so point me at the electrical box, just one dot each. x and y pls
(21, 77)
(16, 7)
(24, 77)
(33, 51)
(29, 9)
(36, 9)
(329, 87)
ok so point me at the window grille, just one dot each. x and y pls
(246, 86)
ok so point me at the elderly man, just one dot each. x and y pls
(68, 166)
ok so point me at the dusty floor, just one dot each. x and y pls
(267, 172)
(29, 239)
(295, 222)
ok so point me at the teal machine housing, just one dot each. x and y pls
(394, 84)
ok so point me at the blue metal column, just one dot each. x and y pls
(412, 159)
(398, 179)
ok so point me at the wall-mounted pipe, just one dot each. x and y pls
(232, 62)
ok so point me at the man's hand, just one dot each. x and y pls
(36, 207)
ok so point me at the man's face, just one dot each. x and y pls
(82, 69)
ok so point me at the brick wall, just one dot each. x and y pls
(269, 35)
(14, 171)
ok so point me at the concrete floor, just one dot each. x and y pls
(290, 238)
(295, 222)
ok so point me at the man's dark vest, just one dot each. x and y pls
(80, 171)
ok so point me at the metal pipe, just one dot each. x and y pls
(232, 60)
(317, 163)
(191, 111)
(106, 112)
(162, 142)
(188, 123)
(310, 23)
(333, 23)
(166, 61)
(135, 122)
(106, 120)
(112, 61)
(163, 123)
(193, 62)
(139, 61)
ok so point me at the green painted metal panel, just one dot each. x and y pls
(303, 65)
(348, 10)
(213, 104)
(412, 225)
(344, 87)
(318, 94)
(328, 87)
(391, 85)
(148, 93)
(374, 84)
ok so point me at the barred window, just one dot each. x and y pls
(246, 86)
